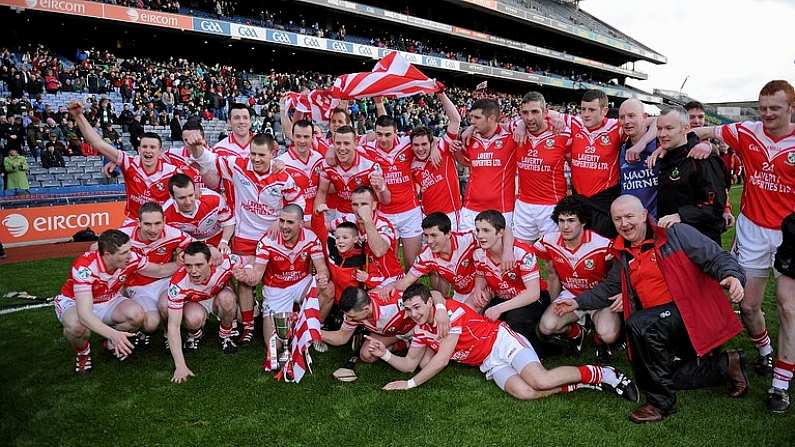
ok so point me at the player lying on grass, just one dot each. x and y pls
(195, 290)
(503, 355)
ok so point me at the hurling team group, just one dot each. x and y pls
(622, 216)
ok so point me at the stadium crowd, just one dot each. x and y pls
(339, 219)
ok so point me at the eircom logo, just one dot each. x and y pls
(16, 224)
(30, 3)
(132, 13)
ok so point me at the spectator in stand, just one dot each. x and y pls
(52, 128)
(176, 129)
(136, 130)
(126, 118)
(52, 158)
(167, 100)
(16, 167)
(111, 135)
(51, 83)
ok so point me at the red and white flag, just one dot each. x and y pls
(482, 86)
(318, 103)
(306, 330)
(392, 76)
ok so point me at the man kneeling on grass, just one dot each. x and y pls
(503, 355)
(197, 289)
(91, 299)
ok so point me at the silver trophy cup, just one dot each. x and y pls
(283, 328)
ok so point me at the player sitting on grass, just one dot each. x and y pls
(90, 300)
(502, 354)
(195, 290)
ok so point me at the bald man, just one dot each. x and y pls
(676, 313)
(636, 178)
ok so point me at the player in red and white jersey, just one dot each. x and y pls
(447, 256)
(180, 156)
(438, 185)
(384, 318)
(490, 154)
(512, 295)
(541, 161)
(577, 260)
(767, 150)
(393, 153)
(197, 289)
(351, 170)
(90, 300)
(502, 355)
(162, 245)
(145, 175)
(376, 232)
(257, 194)
(238, 143)
(204, 216)
(284, 265)
(303, 163)
(595, 148)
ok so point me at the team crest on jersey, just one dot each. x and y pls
(498, 144)
(235, 259)
(160, 187)
(511, 275)
(401, 305)
(402, 158)
(276, 191)
(550, 143)
(123, 279)
(791, 158)
(589, 264)
(529, 261)
(675, 175)
(260, 246)
(465, 263)
(173, 291)
(605, 140)
(358, 181)
(83, 273)
(161, 250)
(245, 182)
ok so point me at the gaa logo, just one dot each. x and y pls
(589, 264)
(281, 37)
(247, 31)
(605, 140)
(311, 42)
(209, 25)
(753, 147)
(16, 224)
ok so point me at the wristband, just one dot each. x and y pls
(440, 307)
(386, 356)
(223, 241)
(410, 384)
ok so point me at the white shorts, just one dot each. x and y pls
(565, 294)
(149, 295)
(468, 219)
(755, 247)
(103, 311)
(281, 299)
(408, 223)
(391, 280)
(460, 297)
(509, 356)
(530, 222)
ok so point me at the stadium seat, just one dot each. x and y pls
(57, 170)
(74, 170)
(63, 177)
(72, 182)
(37, 171)
(51, 184)
(44, 177)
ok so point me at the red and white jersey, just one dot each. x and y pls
(89, 274)
(458, 269)
(287, 265)
(257, 198)
(492, 174)
(345, 180)
(594, 155)
(769, 191)
(142, 187)
(440, 188)
(396, 166)
(207, 221)
(306, 174)
(581, 268)
(321, 144)
(388, 318)
(231, 146)
(182, 290)
(542, 160)
(511, 283)
(180, 157)
(160, 251)
(389, 264)
(476, 334)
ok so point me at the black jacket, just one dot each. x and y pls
(695, 189)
